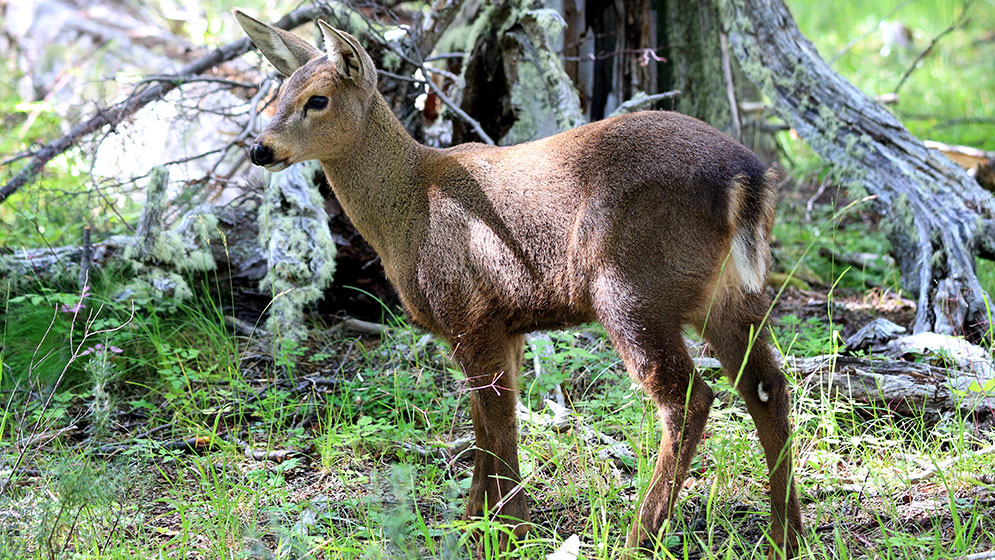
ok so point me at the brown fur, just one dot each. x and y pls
(630, 221)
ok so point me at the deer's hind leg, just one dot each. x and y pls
(651, 345)
(735, 332)
(491, 360)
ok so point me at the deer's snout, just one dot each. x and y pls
(260, 154)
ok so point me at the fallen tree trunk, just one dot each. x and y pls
(901, 386)
(937, 217)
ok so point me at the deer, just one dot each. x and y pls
(648, 223)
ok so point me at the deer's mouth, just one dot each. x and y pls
(278, 166)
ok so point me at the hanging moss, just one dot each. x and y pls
(157, 257)
(154, 285)
(293, 229)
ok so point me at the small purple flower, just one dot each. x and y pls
(101, 348)
(76, 307)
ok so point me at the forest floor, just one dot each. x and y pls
(186, 440)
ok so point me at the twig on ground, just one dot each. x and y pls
(818, 494)
(274, 455)
(43, 438)
(312, 383)
(441, 451)
(206, 444)
(979, 555)
(928, 473)
(244, 328)
(195, 444)
(360, 326)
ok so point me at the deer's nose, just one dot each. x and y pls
(260, 154)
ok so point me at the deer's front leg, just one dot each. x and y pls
(491, 364)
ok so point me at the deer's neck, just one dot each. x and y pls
(376, 183)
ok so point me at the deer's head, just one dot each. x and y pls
(322, 107)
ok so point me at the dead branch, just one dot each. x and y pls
(897, 384)
(274, 455)
(980, 556)
(441, 451)
(139, 98)
(930, 472)
(207, 444)
(361, 327)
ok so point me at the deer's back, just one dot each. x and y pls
(516, 235)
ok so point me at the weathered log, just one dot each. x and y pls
(936, 215)
(192, 243)
(901, 386)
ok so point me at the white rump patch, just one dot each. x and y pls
(749, 262)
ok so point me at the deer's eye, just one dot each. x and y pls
(316, 102)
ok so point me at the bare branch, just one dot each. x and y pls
(957, 23)
(141, 97)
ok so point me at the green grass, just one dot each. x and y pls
(362, 491)
(954, 81)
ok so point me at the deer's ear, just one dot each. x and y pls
(348, 56)
(286, 51)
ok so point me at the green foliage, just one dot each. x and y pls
(812, 337)
(950, 97)
(809, 238)
(560, 358)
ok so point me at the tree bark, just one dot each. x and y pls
(935, 213)
(691, 34)
(700, 65)
(514, 84)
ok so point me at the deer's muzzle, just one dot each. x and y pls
(260, 154)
